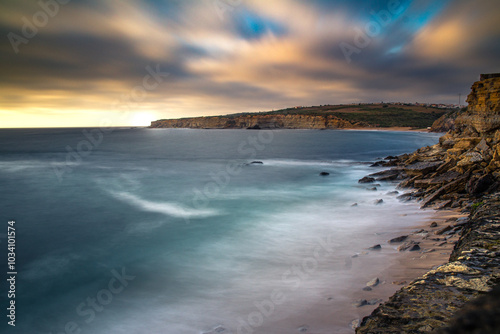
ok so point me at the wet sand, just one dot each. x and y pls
(336, 310)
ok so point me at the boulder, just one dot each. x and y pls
(367, 179)
(398, 239)
(407, 245)
(378, 164)
(373, 283)
(414, 248)
(360, 303)
(375, 248)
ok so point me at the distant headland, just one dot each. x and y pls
(350, 116)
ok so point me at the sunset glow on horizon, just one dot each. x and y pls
(80, 63)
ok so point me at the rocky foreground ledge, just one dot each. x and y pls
(462, 171)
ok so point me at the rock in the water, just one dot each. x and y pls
(375, 248)
(407, 245)
(367, 288)
(387, 175)
(393, 193)
(324, 173)
(398, 239)
(379, 201)
(373, 283)
(360, 303)
(378, 164)
(434, 224)
(367, 179)
(256, 163)
(354, 204)
(372, 189)
(414, 248)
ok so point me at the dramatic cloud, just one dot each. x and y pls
(83, 62)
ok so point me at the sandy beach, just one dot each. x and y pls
(393, 269)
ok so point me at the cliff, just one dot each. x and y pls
(317, 117)
(260, 122)
(462, 171)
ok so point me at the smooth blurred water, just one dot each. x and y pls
(205, 235)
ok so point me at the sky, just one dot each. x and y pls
(67, 63)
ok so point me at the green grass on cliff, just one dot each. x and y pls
(393, 117)
(376, 115)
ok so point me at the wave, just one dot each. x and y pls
(22, 165)
(294, 163)
(166, 208)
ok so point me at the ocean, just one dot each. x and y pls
(179, 231)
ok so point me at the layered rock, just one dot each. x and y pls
(260, 122)
(462, 171)
(466, 162)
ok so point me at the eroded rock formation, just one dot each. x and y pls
(466, 162)
(462, 171)
(260, 122)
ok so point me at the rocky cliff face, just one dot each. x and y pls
(462, 171)
(259, 122)
(483, 115)
(466, 162)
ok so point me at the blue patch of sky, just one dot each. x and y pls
(423, 15)
(415, 17)
(252, 26)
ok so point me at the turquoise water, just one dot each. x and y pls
(174, 231)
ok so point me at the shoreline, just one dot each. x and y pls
(389, 129)
(409, 265)
(394, 269)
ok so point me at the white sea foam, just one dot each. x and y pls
(22, 165)
(166, 208)
(311, 163)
